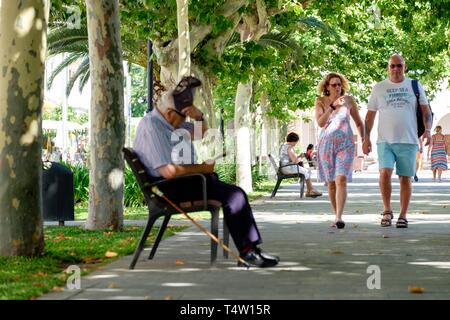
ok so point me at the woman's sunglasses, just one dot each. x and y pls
(334, 85)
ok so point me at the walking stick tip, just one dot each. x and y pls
(156, 191)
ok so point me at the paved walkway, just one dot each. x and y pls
(317, 262)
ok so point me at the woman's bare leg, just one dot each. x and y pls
(341, 196)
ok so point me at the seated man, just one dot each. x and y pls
(288, 156)
(310, 155)
(158, 146)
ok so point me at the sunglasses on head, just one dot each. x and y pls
(398, 65)
(185, 83)
(183, 94)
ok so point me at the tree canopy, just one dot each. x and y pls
(354, 38)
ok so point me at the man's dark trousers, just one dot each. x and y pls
(236, 208)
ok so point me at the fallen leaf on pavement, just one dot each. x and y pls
(337, 252)
(90, 260)
(57, 289)
(61, 237)
(112, 285)
(385, 236)
(168, 297)
(413, 289)
(179, 262)
(110, 254)
(38, 285)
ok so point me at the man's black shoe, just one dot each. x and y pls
(266, 255)
(253, 258)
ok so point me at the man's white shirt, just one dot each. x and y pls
(396, 103)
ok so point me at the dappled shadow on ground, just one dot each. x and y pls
(317, 262)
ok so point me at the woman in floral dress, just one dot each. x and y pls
(438, 153)
(336, 148)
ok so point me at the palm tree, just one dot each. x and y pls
(286, 41)
(75, 45)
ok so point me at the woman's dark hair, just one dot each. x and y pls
(310, 146)
(292, 137)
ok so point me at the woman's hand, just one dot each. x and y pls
(339, 102)
(367, 146)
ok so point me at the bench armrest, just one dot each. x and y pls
(199, 175)
(289, 165)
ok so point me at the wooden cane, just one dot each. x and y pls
(159, 193)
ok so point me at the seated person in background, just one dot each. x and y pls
(288, 156)
(158, 139)
(310, 155)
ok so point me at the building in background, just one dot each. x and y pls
(65, 134)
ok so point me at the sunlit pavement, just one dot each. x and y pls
(361, 261)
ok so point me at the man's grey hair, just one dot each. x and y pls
(398, 55)
(166, 102)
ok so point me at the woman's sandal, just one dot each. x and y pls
(387, 222)
(340, 224)
(402, 223)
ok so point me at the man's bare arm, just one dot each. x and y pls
(170, 171)
(368, 123)
(427, 121)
